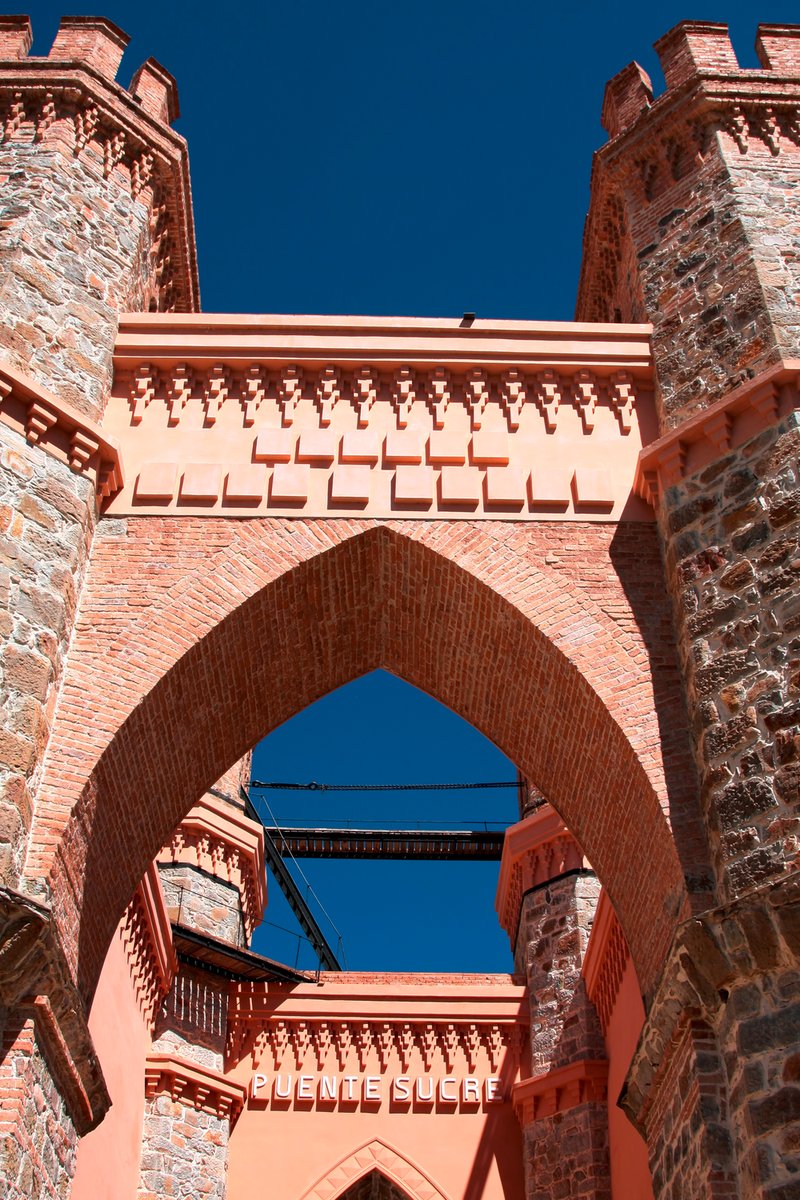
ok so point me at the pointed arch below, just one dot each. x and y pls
(376, 1156)
(221, 631)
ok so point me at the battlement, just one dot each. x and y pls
(99, 44)
(694, 51)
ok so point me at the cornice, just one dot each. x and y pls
(47, 421)
(195, 1085)
(536, 850)
(560, 1090)
(724, 426)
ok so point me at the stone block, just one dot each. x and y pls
(404, 445)
(317, 445)
(360, 446)
(246, 481)
(445, 447)
(488, 447)
(414, 485)
(275, 445)
(350, 485)
(289, 483)
(156, 481)
(550, 486)
(460, 486)
(506, 485)
(201, 481)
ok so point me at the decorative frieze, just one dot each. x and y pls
(147, 938)
(607, 956)
(537, 850)
(220, 840)
(264, 417)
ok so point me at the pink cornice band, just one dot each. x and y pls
(560, 1090)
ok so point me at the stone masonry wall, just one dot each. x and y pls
(38, 1142)
(74, 252)
(566, 1153)
(46, 522)
(733, 554)
(184, 1151)
(202, 902)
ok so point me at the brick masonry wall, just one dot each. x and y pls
(175, 612)
(734, 562)
(39, 1143)
(46, 522)
(184, 1151)
(201, 902)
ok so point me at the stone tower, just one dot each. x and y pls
(96, 220)
(693, 226)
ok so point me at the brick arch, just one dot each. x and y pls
(244, 635)
(376, 1156)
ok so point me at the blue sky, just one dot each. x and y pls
(420, 159)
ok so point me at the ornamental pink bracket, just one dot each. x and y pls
(329, 392)
(584, 395)
(403, 394)
(39, 420)
(405, 1044)
(216, 391)
(439, 395)
(255, 389)
(477, 394)
(513, 395)
(290, 392)
(365, 390)
(323, 1040)
(180, 392)
(548, 398)
(145, 378)
(344, 1041)
(623, 399)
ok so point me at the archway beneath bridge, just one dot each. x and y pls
(553, 664)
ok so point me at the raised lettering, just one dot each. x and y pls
(402, 1088)
(328, 1087)
(448, 1096)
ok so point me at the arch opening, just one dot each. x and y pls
(417, 907)
(379, 599)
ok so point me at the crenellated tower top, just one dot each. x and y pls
(676, 232)
(102, 221)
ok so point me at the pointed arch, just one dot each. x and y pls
(376, 1155)
(226, 629)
